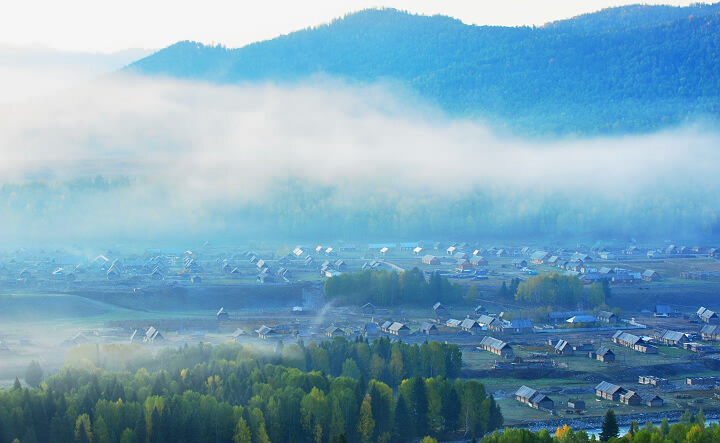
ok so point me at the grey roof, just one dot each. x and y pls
(525, 392)
(521, 323)
(564, 315)
(427, 326)
(397, 327)
(607, 387)
(493, 343)
(386, 325)
(663, 309)
(561, 344)
(710, 329)
(582, 319)
(627, 338)
(221, 311)
(437, 306)
(604, 315)
(469, 323)
(238, 332)
(604, 351)
(672, 335)
(649, 273)
(487, 320)
(332, 329)
(264, 330)
(539, 255)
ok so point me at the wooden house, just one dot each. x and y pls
(539, 257)
(334, 331)
(152, 335)
(671, 338)
(633, 342)
(195, 279)
(533, 398)
(222, 315)
(368, 309)
(607, 317)
(266, 332)
(478, 261)
(439, 309)
(577, 404)
(708, 316)
(399, 329)
(605, 355)
(652, 400)
(431, 260)
(710, 332)
(609, 391)
(480, 310)
(428, 329)
(470, 325)
(496, 346)
(563, 348)
(518, 263)
(630, 398)
(464, 265)
(650, 276)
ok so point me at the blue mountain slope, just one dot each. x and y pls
(631, 69)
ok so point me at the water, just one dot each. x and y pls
(624, 429)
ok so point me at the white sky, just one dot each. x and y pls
(112, 25)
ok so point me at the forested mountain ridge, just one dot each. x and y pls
(620, 70)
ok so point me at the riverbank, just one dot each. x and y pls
(577, 423)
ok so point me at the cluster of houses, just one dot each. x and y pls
(609, 391)
(534, 399)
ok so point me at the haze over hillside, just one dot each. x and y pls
(367, 129)
(621, 70)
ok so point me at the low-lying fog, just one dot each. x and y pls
(328, 160)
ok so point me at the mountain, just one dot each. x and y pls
(620, 70)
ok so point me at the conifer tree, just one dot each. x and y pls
(609, 427)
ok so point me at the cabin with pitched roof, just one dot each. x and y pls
(533, 398)
(222, 315)
(428, 329)
(496, 346)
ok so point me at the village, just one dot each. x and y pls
(653, 348)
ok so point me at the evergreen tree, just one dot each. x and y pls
(503, 292)
(17, 386)
(471, 295)
(242, 432)
(141, 428)
(451, 409)
(128, 436)
(33, 374)
(664, 427)
(403, 423)
(609, 427)
(419, 406)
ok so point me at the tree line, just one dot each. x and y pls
(233, 398)
(388, 288)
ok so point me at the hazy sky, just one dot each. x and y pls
(106, 26)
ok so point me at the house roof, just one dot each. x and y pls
(672, 335)
(437, 306)
(561, 344)
(539, 255)
(221, 311)
(627, 338)
(710, 329)
(521, 323)
(264, 330)
(427, 326)
(605, 351)
(387, 324)
(562, 315)
(493, 343)
(526, 392)
(608, 388)
(582, 319)
(604, 315)
(487, 320)
(649, 273)
(397, 327)
(469, 323)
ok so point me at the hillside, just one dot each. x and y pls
(629, 69)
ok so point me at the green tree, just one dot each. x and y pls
(33, 374)
(664, 427)
(242, 432)
(596, 295)
(128, 436)
(403, 423)
(471, 295)
(366, 424)
(83, 429)
(609, 428)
